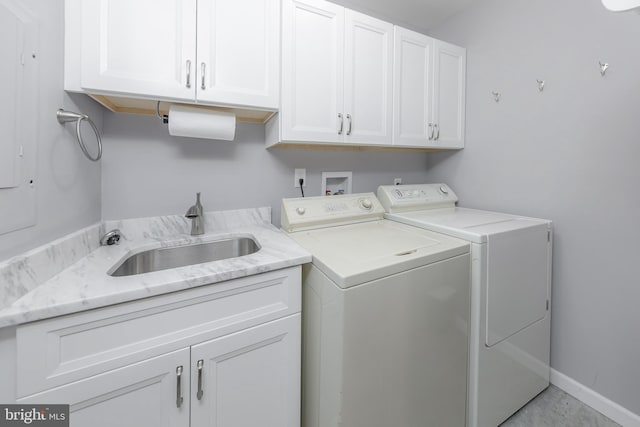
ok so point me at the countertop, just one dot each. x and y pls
(70, 274)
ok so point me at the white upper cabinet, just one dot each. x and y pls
(144, 47)
(413, 88)
(368, 79)
(312, 64)
(207, 51)
(336, 75)
(449, 95)
(429, 92)
(238, 52)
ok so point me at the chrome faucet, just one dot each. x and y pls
(195, 214)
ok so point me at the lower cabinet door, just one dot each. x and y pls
(152, 393)
(249, 378)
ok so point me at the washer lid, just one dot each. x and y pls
(359, 253)
(469, 224)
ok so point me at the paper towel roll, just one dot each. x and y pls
(197, 122)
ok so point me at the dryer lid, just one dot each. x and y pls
(470, 224)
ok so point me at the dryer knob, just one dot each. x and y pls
(366, 203)
(444, 190)
(301, 210)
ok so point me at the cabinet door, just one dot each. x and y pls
(238, 52)
(412, 90)
(250, 378)
(141, 47)
(367, 79)
(312, 64)
(449, 94)
(144, 394)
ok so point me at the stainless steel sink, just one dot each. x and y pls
(180, 256)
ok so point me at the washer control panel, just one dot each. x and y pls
(403, 198)
(306, 213)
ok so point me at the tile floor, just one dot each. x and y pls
(555, 408)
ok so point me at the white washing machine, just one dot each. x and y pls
(385, 317)
(510, 295)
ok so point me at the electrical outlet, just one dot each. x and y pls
(397, 181)
(297, 175)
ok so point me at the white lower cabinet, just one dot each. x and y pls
(140, 395)
(225, 355)
(249, 378)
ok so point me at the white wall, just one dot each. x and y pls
(569, 154)
(147, 172)
(67, 185)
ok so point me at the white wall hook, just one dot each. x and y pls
(496, 96)
(540, 85)
(603, 68)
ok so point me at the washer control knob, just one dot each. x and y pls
(301, 210)
(398, 194)
(366, 203)
(444, 190)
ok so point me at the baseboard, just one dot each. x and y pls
(617, 413)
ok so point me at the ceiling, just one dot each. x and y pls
(419, 15)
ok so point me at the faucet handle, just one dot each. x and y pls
(192, 212)
(195, 210)
(195, 213)
(111, 238)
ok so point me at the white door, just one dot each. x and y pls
(238, 52)
(145, 47)
(312, 71)
(449, 95)
(249, 378)
(412, 90)
(517, 281)
(368, 73)
(144, 394)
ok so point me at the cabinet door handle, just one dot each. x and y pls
(203, 69)
(437, 131)
(341, 124)
(200, 392)
(179, 398)
(430, 131)
(349, 128)
(188, 74)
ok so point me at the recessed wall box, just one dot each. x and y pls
(336, 183)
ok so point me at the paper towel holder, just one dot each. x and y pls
(164, 118)
(195, 121)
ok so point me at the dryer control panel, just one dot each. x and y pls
(306, 213)
(403, 198)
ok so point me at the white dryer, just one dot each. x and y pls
(510, 295)
(385, 317)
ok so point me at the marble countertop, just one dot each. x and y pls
(70, 275)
